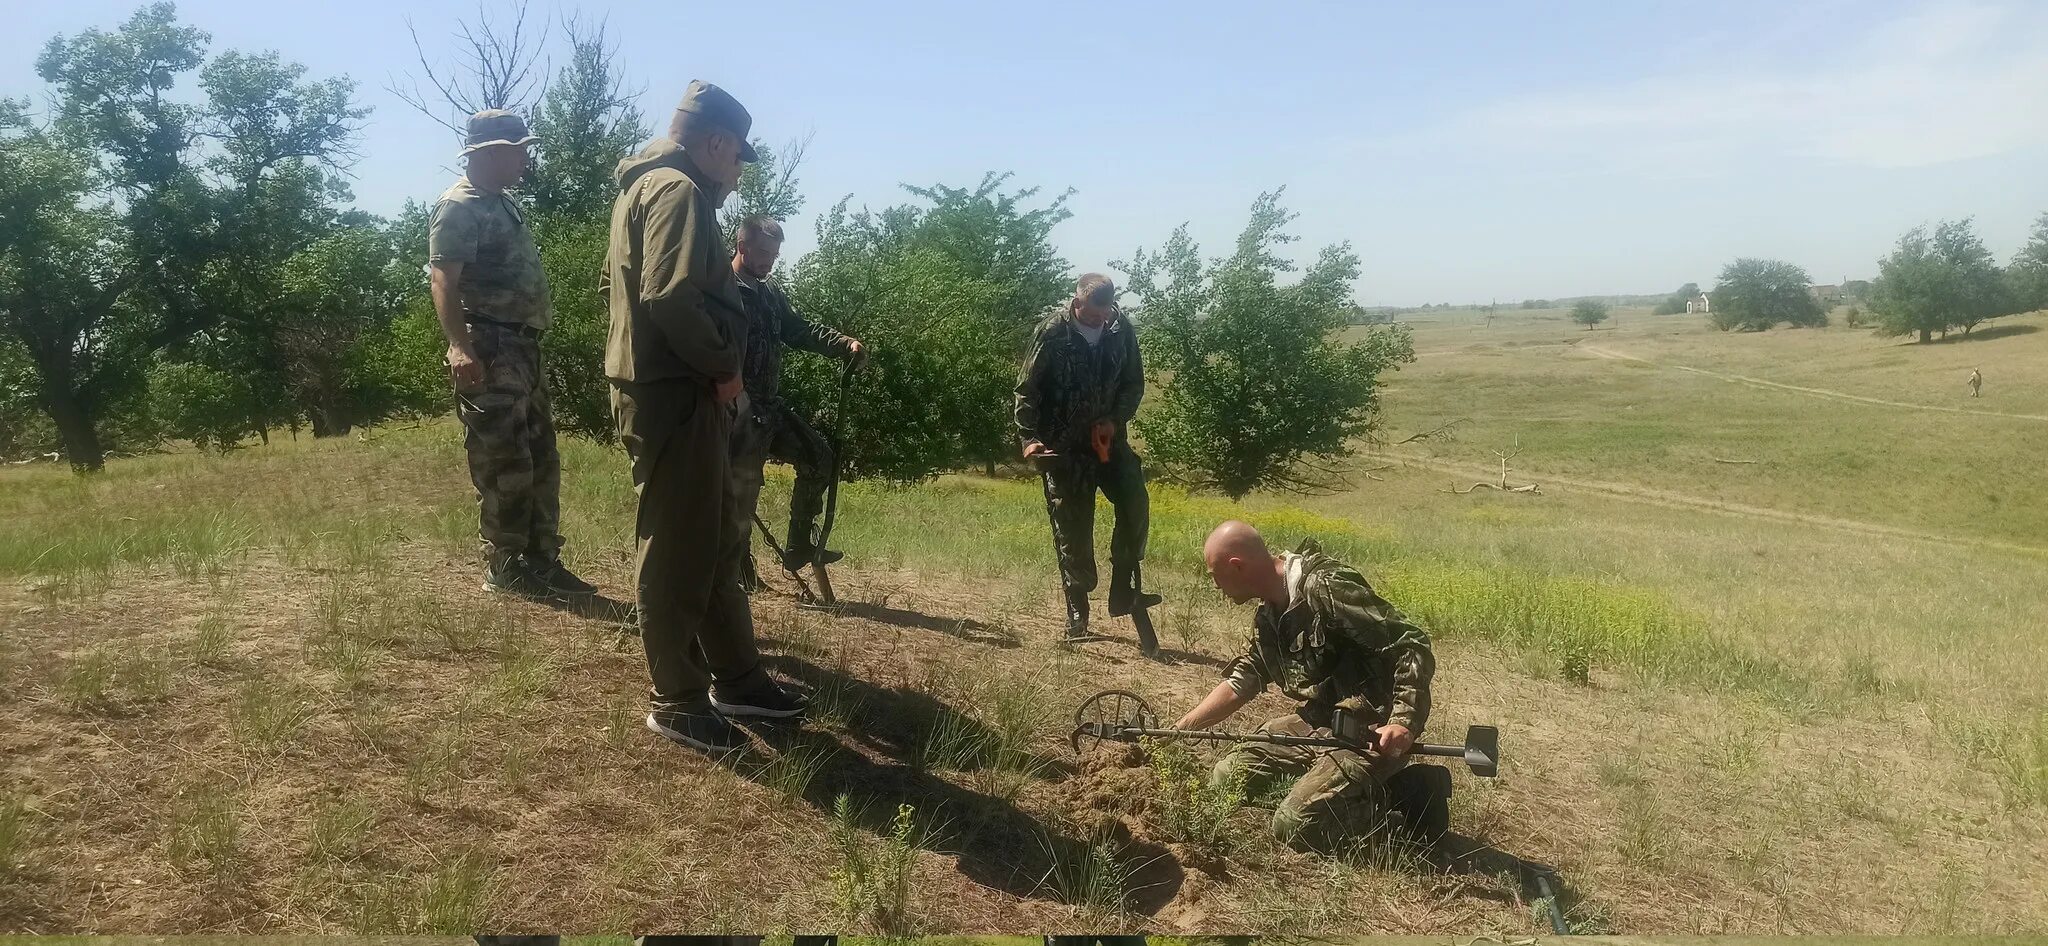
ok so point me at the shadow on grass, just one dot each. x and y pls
(597, 607)
(1456, 853)
(966, 629)
(996, 843)
(1986, 334)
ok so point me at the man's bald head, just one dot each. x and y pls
(1239, 562)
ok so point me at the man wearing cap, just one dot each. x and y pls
(770, 427)
(1076, 394)
(678, 341)
(492, 299)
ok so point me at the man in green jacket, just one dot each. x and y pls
(678, 337)
(1326, 639)
(1076, 394)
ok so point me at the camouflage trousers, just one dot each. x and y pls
(509, 435)
(781, 435)
(1338, 794)
(1070, 485)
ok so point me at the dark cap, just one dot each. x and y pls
(495, 126)
(715, 106)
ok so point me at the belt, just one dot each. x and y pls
(526, 331)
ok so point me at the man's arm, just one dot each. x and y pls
(805, 335)
(1130, 384)
(1030, 386)
(442, 278)
(452, 237)
(1214, 708)
(673, 255)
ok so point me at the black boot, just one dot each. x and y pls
(798, 556)
(1124, 596)
(1077, 615)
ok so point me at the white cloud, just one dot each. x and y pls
(1945, 83)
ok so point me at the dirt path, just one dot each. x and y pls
(1796, 389)
(1674, 500)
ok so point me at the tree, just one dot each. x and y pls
(497, 65)
(1932, 283)
(945, 293)
(1251, 387)
(2027, 276)
(1589, 312)
(119, 206)
(768, 187)
(1674, 304)
(587, 122)
(337, 293)
(1755, 295)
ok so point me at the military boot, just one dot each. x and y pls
(1124, 596)
(1077, 615)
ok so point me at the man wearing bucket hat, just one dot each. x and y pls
(492, 298)
(674, 358)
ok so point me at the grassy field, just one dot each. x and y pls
(262, 693)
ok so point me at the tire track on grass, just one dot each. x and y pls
(1823, 393)
(1673, 500)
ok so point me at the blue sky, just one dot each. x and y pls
(1467, 151)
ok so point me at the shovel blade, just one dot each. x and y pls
(1482, 750)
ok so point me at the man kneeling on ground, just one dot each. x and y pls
(1327, 640)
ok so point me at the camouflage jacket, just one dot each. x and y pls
(502, 279)
(1338, 644)
(772, 323)
(1066, 384)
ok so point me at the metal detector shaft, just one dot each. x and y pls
(1282, 739)
(776, 547)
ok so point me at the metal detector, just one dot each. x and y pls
(1123, 716)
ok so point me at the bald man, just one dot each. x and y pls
(1325, 639)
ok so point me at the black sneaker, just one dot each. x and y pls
(515, 576)
(767, 701)
(700, 729)
(795, 559)
(559, 580)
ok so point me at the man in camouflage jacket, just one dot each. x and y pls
(767, 428)
(1324, 638)
(1079, 388)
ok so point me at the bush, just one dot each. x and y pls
(195, 402)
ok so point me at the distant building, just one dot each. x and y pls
(1825, 295)
(1699, 303)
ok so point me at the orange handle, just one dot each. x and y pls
(1102, 438)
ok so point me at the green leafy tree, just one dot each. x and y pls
(2027, 275)
(338, 292)
(1756, 295)
(1251, 386)
(120, 205)
(945, 294)
(1935, 282)
(587, 121)
(1589, 312)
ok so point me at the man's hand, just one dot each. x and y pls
(1034, 450)
(729, 389)
(1395, 739)
(467, 371)
(856, 353)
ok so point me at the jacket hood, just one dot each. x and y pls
(659, 153)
